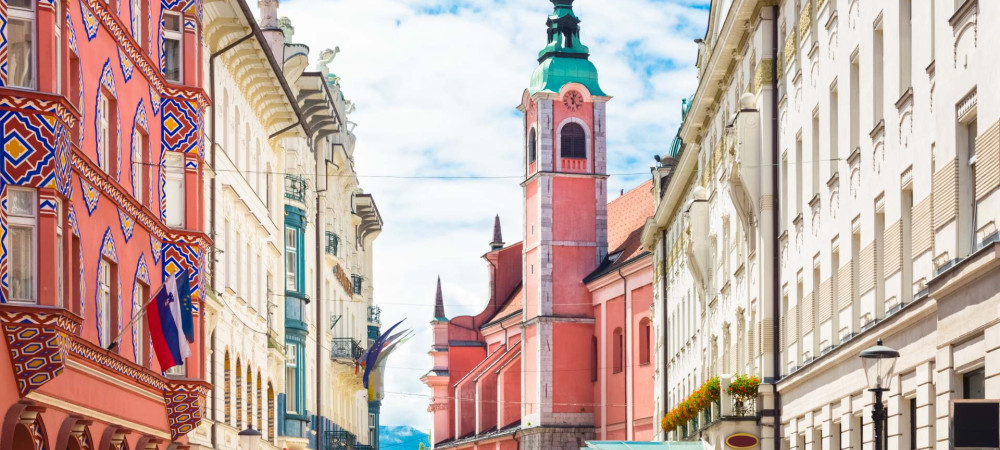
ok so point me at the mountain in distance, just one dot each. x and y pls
(401, 438)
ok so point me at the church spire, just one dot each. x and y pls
(439, 303)
(564, 58)
(497, 243)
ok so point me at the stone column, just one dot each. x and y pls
(846, 422)
(947, 385)
(992, 344)
(925, 406)
(897, 406)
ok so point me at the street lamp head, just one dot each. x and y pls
(249, 439)
(879, 362)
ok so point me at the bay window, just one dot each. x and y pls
(173, 31)
(291, 258)
(21, 26)
(291, 378)
(22, 224)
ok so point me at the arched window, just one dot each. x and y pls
(644, 336)
(270, 412)
(249, 398)
(532, 146)
(573, 141)
(260, 404)
(617, 351)
(227, 388)
(239, 394)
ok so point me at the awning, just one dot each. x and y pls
(636, 445)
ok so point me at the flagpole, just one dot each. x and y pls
(142, 312)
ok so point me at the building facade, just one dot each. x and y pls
(101, 199)
(834, 183)
(561, 352)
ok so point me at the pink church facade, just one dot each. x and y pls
(561, 352)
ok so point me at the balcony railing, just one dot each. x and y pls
(374, 314)
(295, 188)
(345, 348)
(357, 281)
(340, 440)
(332, 243)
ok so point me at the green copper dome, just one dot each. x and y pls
(564, 59)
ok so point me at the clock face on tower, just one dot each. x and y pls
(573, 100)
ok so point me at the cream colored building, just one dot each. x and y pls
(836, 183)
(292, 303)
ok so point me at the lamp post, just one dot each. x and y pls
(249, 439)
(879, 362)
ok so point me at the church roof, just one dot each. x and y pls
(627, 216)
(564, 59)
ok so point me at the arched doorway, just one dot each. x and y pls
(23, 428)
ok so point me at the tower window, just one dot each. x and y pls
(532, 146)
(574, 141)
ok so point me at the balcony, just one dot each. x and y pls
(357, 281)
(295, 188)
(340, 440)
(345, 348)
(332, 243)
(374, 314)
(724, 416)
(576, 165)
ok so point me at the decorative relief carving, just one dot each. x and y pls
(853, 14)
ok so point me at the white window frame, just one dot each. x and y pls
(104, 297)
(59, 54)
(291, 382)
(138, 300)
(176, 209)
(24, 221)
(175, 35)
(29, 15)
(178, 371)
(139, 166)
(60, 255)
(292, 269)
(104, 132)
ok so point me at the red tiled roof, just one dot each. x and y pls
(626, 217)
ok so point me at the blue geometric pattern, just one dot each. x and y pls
(125, 64)
(141, 275)
(156, 248)
(154, 101)
(3, 245)
(127, 224)
(107, 81)
(3, 43)
(90, 23)
(90, 196)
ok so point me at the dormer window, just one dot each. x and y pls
(574, 141)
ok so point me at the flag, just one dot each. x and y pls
(372, 356)
(163, 315)
(184, 295)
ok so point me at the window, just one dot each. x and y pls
(107, 131)
(834, 129)
(138, 300)
(532, 146)
(105, 275)
(974, 385)
(21, 235)
(911, 425)
(784, 194)
(879, 264)
(855, 278)
(574, 141)
(906, 221)
(878, 77)
(59, 55)
(617, 351)
(968, 211)
(905, 45)
(291, 383)
(855, 112)
(798, 174)
(75, 261)
(644, 341)
(593, 359)
(60, 256)
(174, 189)
(835, 295)
(815, 154)
(291, 259)
(140, 166)
(172, 36)
(21, 43)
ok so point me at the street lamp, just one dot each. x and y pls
(249, 439)
(879, 362)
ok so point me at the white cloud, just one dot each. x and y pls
(436, 96)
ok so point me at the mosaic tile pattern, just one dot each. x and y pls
(127, 225)
(37, 343)
(185, 407)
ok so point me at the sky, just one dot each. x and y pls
(436, 83)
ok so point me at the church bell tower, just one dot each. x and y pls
(565, 235)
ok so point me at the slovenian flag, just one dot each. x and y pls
(166, 328)
(184, 294)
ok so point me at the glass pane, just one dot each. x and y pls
(172, 22)
(172, 59)
(21, 203)
(19, 52)
(22, 264)
(25, 4)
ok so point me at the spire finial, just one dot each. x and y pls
(439, 303)
(497, 243)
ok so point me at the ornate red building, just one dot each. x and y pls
(561, 352)
(101, 198)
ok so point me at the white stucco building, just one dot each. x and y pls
(836, 184)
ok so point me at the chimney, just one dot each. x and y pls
(272, 32)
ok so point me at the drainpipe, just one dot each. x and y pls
(625, 328)
(775, 217)
(211, 197)
(319, 309)
(666, 334)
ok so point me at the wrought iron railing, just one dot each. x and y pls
(374, 314)
(332, 243)
(345, 348)
(340, 440)
(295, 188)
(357, 281)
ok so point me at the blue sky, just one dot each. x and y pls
(436, 83)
